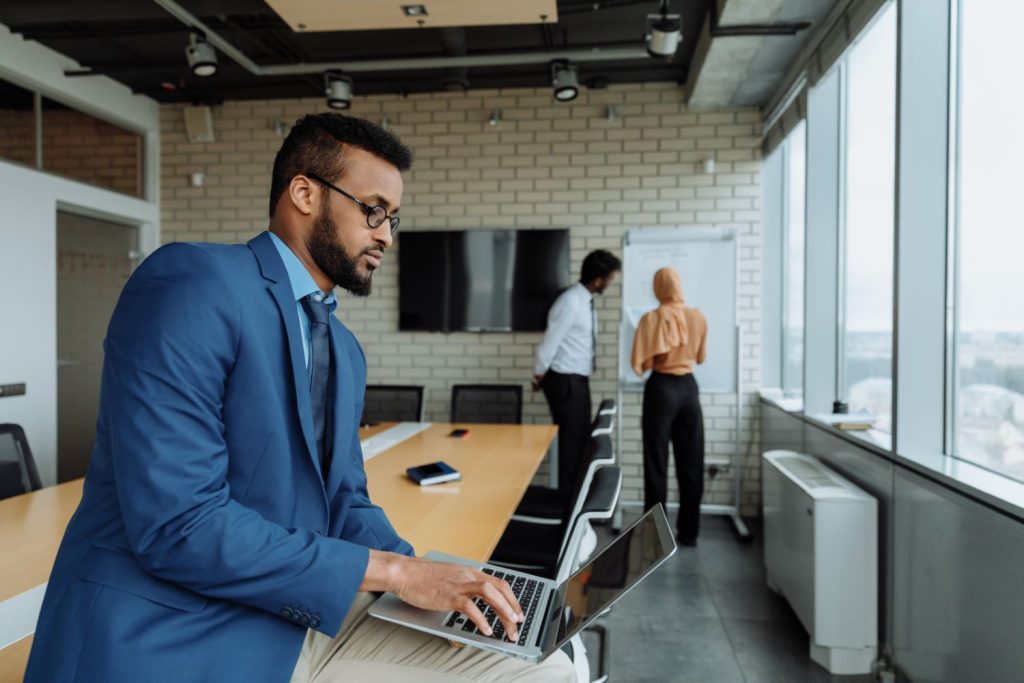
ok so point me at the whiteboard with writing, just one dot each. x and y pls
(705, 259)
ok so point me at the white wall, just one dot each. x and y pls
(28, 230)
(28, 291)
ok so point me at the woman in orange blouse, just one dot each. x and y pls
(670, 340)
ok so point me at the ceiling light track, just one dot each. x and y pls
(759, 29)
(594, 54)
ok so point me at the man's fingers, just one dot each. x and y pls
(494, 597)
(470, 609)
(506, 590)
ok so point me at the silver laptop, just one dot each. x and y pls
(554, 612)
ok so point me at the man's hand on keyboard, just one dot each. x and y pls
(444, 587)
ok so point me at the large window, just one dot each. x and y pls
(988, 403)
(73, 144)
(785, 183)
(793, 273)
(83, 147)
(17, 124)
(869, 173)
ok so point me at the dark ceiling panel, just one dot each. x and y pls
(142, 46)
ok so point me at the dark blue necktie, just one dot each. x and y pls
(320, 365)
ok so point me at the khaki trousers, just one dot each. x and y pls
(368, 649)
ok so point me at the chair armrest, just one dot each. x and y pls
(527, 519)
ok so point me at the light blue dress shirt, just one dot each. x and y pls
(302, 286)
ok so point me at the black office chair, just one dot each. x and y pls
(546, 550)
(392, 403)
(18, 473)
(536, 545)
(543, 505)
(487, 403)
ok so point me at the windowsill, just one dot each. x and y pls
(990, 488)
(875, 437)
(790, 404)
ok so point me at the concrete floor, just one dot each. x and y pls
(706, 616)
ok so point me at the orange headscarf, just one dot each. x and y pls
(664, 328)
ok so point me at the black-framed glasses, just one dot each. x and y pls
(375, 215)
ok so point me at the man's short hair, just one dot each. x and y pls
(599, 263)
(314, 146)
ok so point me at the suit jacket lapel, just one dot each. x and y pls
(343, 407)
(273, 269)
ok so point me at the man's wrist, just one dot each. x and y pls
(383, 571)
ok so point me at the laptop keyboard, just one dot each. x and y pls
(527, 592)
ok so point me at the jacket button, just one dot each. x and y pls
(304, 619)
(314, 622)
(287, 613)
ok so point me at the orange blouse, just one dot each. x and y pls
(672, 338)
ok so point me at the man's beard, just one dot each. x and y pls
(331, 257)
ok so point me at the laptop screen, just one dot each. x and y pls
(608, 575)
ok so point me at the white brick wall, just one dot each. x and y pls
(544, 165)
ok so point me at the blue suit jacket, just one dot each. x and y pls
(206, 541)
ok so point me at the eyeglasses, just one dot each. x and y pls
(375, 215)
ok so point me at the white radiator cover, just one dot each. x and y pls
(821, 554)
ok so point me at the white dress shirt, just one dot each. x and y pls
(568, 345)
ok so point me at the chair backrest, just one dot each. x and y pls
(599, 503)
(607, 407)
(483, 403)
(18, 473)
(393, 403)
(604, 423)
(599, 451)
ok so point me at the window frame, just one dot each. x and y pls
(951, 369)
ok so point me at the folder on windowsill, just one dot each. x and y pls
(850, 422)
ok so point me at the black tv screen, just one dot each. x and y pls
(480, 280)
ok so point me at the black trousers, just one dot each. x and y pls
(672, 412)
(568, 398)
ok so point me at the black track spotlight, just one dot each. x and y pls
(338, 89)
(564, 81)
(201, 56)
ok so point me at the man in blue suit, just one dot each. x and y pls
(225, 531)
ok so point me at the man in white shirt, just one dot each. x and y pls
(567, 357)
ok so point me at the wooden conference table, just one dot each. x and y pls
(464, 518)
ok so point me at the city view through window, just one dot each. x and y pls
(870, 195)
(989, 390)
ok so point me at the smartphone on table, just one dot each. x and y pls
(433, 473)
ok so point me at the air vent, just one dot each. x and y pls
(808, 474)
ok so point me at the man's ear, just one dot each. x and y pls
(303, 194)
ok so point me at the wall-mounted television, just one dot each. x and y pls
(480, 280)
